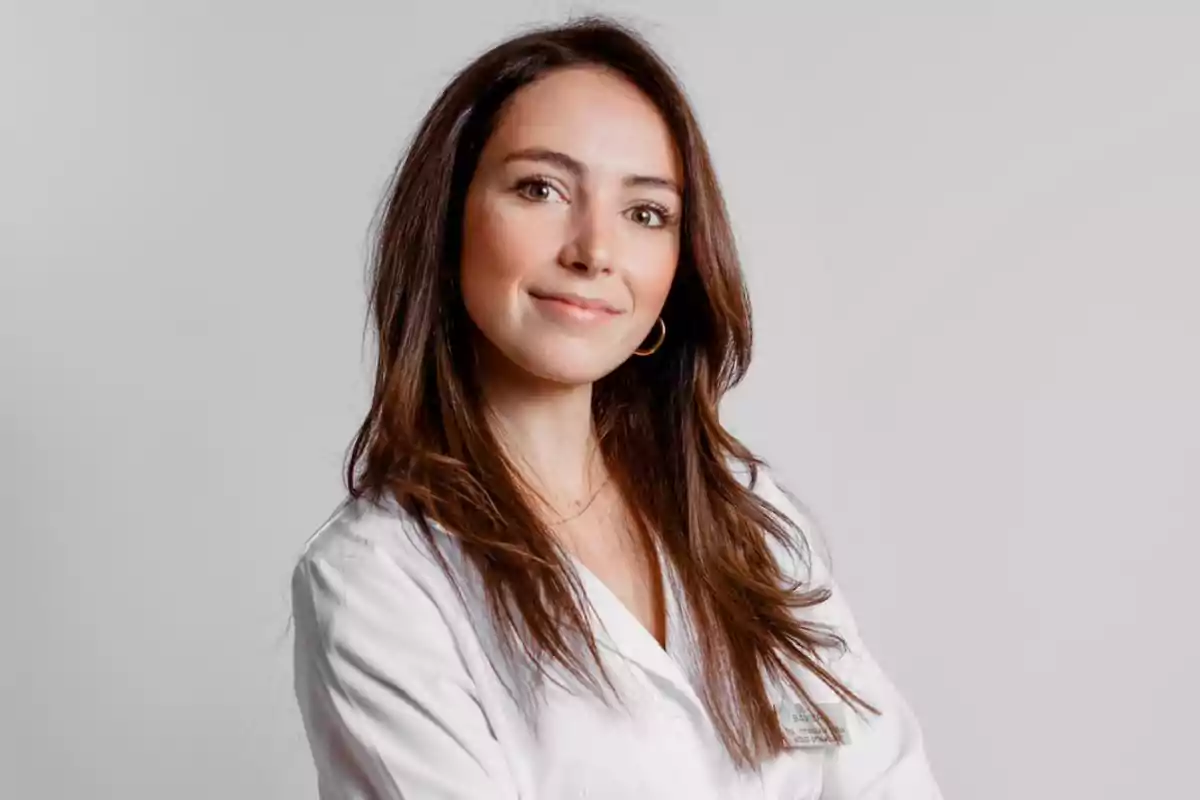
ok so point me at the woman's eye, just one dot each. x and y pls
(649, 216)
(536, 189)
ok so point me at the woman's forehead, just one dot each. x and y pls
(596, 117)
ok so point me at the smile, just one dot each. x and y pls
(572, 307)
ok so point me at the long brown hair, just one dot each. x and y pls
(426, 444)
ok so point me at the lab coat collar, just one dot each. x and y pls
(618, 630)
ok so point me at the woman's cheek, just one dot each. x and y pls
(523, 241)
(656, 282)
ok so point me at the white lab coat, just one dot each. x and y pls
(406, 692)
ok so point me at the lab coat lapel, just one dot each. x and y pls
(621, 632)
(681, 638)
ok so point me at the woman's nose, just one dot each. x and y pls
(589, 246)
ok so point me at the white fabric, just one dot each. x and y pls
(405, 692)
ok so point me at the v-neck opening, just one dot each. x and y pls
(628, 637)
(595, 583)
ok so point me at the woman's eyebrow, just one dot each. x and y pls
(577, 168)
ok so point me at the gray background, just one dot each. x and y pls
(971, 240)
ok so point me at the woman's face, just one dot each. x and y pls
(571, 226)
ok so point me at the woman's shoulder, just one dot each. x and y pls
(757, 475)
(363, 541)
(762, 479)
(355, 526)
(806, 553)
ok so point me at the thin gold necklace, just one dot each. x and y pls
(586, 506)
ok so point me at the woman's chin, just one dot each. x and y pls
(568, 369)
(550, 361)
(567, 374)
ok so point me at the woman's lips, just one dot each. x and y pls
(579, 301)
(573, 308)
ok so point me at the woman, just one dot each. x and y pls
(557, 575)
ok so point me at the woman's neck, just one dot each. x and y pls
(547, 430)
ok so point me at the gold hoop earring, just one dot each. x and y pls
(662, 336)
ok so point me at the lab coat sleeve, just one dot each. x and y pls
(885, 758)
(388, 706)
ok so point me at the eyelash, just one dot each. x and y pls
(662, 211)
